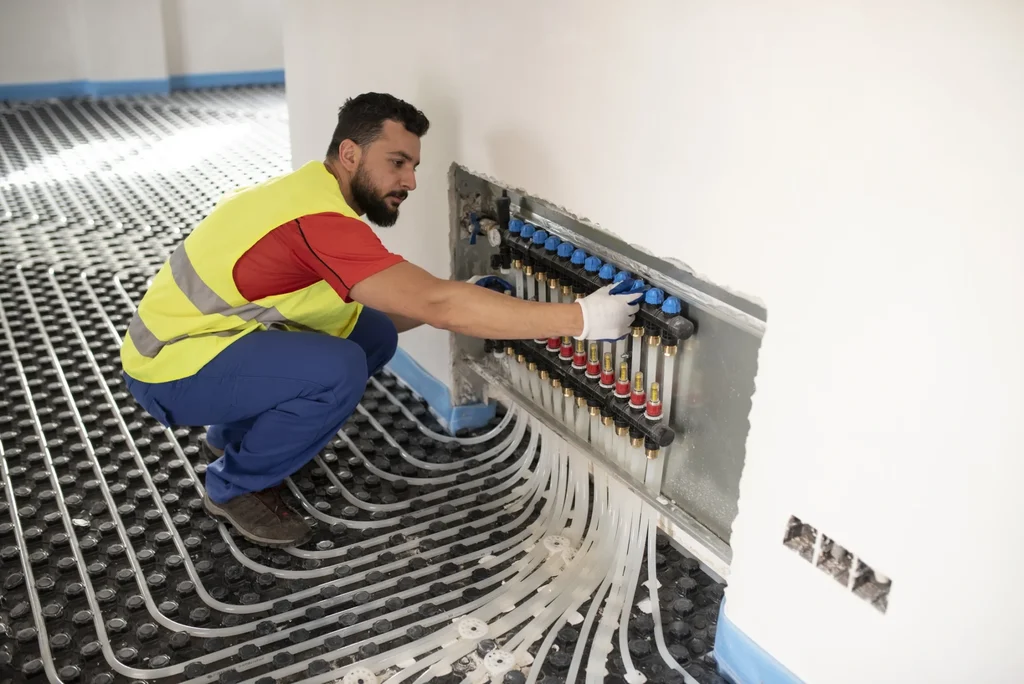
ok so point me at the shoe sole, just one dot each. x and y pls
(221, 514)
(213, 450)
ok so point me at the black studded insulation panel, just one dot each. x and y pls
(109, 569)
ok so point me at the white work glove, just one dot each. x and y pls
(608, 316)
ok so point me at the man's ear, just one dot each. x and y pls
(349, 155)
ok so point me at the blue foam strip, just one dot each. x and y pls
(160, 86)
(227, 79)
(471, 416)
(438, 396)
(41, 91)
(742, 661)
(153, 86)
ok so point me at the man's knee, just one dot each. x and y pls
(345, 373)
(388, 346)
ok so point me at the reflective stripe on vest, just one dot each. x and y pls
(207, 302)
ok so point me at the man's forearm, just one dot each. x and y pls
(478, 312)
(408, 292)
(403, 323)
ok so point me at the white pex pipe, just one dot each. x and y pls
(653, 353)
(601, 645)
(555, 514)
(635, 353)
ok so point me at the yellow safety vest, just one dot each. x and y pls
(193, 311)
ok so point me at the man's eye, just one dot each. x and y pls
(398, 163)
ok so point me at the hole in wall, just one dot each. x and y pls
(800, 537)
(835, 560)
(838, 562)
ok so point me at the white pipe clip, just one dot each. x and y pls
(499, 662)
(472, 628)
(360, 675)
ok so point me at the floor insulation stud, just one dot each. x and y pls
(487, 556)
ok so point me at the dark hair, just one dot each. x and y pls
(361, 118)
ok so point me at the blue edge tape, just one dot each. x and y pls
(741, 661)
(438, 396)
(156, 86)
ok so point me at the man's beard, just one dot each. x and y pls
(371, 202)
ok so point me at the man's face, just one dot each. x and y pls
(386, 173)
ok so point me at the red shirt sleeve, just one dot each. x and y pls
(341, 250)
(332, 247)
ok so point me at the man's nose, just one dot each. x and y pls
(409, 181)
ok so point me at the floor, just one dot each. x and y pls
(435, 558)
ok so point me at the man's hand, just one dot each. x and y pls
(608, 313)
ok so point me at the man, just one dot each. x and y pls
(266, 322)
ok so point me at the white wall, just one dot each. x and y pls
(857, 167)
(24, 26)
(120, 40)
(223, 36)
(110, 40)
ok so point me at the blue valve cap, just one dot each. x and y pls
(539, 237)
(592, 264)
(638, 286)
(528, 230)
(672, 306)
(565, 250)
(607, 272)
(655, 296)
(515, 226)
(622, 275)
(578, 257)
(551, 244)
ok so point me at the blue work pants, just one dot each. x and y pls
(273, 399)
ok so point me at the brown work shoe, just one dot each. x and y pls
(263, 518)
